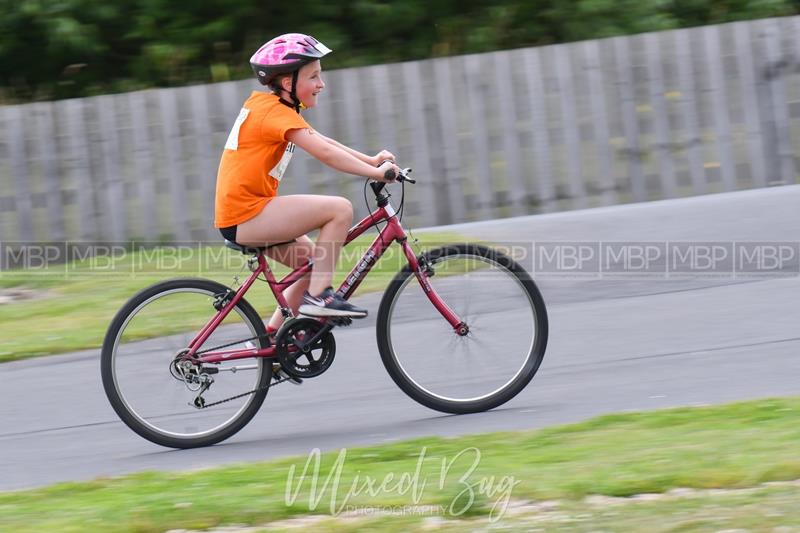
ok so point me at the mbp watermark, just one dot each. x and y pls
(625, 259)
(567, 259)
(767, 259)
(706, 259)
(665, 259)
(588, 260)
(62, 257)
(456, 473)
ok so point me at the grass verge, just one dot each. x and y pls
(468, 478)
(78, 299)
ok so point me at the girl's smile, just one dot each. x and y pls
(309, 83)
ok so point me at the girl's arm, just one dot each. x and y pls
(338, 156)
(355, 153)
(375, 160)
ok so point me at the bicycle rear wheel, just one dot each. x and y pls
(507, 322)
(145, 389)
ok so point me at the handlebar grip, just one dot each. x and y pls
(390, 174)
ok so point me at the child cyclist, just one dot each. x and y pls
(248, 209)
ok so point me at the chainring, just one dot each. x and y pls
(297, 357)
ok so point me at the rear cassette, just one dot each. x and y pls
(305, 347)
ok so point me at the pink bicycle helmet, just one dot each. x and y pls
(286, 54)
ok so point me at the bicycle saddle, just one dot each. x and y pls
(245, 249)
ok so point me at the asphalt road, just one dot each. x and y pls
(624, 343)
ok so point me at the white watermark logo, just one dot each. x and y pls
(459, 471)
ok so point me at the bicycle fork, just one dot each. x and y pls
(423, 270)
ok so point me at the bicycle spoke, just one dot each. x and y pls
(476, 340)
(468, 348)
(454, 340)
(462, 374)
(150, 399)
(467, 315)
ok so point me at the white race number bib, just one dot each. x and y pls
(233, 137)
(280, 168)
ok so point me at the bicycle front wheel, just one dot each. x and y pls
(159, 401)
(499, 303)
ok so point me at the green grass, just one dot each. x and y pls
(80, 298)
(732, 446)
(767, 509)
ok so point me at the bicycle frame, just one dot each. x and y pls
(393, 231)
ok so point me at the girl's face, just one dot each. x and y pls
(309, 83)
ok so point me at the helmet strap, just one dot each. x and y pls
(286, 102)
(295, 102)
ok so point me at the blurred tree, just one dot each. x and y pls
(698, 12)
(65, 48)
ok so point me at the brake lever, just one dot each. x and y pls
(404, 175)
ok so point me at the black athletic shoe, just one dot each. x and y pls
(329, 304)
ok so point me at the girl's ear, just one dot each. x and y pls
(286, 83)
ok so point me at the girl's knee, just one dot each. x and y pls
(344, 207)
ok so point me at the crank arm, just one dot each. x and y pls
(315, 338)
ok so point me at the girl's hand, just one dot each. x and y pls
(380, 157)
(387, 172)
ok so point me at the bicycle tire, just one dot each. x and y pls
(514, 277)
(149, 429)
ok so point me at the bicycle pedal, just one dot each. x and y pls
(341, 321)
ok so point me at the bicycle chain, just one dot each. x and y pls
(265, 387)
(206, 406)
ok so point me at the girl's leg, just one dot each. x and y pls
(287, 217)
(293, 255)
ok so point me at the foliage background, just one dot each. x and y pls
(68, 48)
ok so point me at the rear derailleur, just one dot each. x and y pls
(197, 378)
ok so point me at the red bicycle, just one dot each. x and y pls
(468, 336)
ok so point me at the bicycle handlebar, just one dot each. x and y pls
(378, 186)
(403, 176)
